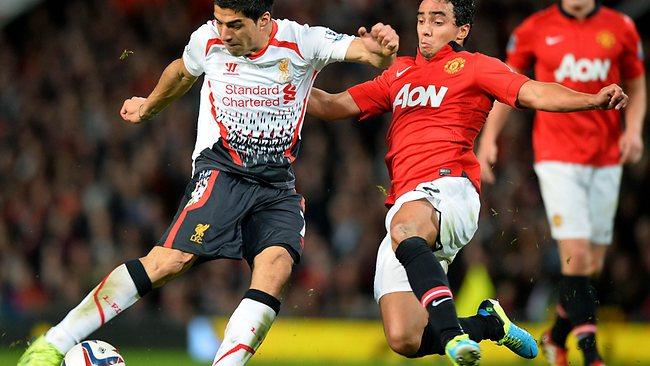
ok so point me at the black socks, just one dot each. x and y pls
(139, 276)
(264, 298)
(578, 299)
(429, 283)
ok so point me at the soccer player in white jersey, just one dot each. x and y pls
(241, 202)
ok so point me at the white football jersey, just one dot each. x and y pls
(252, 107)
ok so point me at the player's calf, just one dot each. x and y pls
(164, 264)
(403, 341)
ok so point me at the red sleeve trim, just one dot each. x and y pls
(513, 89)
(357, 96)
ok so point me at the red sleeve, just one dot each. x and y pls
(632, 56)
(521, 49)
(373, 96)
(497, 79)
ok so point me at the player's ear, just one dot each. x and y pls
(463, 32)
(264, 20)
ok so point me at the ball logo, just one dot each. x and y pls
(419, 96)
(583, 69)
(606, 39)
(92, 359)
(455, 65)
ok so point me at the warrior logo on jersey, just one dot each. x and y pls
(606, 39)
(583, 69)
(455, 65)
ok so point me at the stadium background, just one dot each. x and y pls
(81, 191)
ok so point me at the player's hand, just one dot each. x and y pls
(132, 110)
(611, 97)
(381, 40)
(631, 144)
(487, 157)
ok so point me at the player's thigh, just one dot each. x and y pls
(404, 319)
(277, 219)
(453, 210)
(603, 201)
(564, 189)
(209, 219)
(273, 236)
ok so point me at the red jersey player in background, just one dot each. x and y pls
(578, 156)
(440, 100)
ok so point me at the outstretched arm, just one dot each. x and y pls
(377, 47)
(174, 82)
(553, 97)
(550, 97)
(331, 107)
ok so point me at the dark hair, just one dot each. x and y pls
(253, 9)
(464, 11)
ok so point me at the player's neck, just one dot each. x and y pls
(266, 38)
(580, 13)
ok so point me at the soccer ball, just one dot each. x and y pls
(93, 353)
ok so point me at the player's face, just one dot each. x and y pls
(578, 5)
(436, 26)
(240, 35)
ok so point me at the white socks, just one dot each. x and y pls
(247, 328)
(119, 290)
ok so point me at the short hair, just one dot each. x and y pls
(464, 11)
(253, 9)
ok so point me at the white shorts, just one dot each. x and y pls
(457, 203)
(580, 200)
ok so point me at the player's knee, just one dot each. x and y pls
(403, 341)
(578, 263)
(162, 264)
(276, 261)
(402, 230)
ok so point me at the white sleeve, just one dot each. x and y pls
(194, 54)
(322, 46)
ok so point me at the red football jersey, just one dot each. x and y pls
(586, 56)
(439, 107)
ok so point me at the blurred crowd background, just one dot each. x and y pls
(81, 191)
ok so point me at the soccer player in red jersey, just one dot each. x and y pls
(440, 100)
(578, 156)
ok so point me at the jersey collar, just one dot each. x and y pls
(592, 13)
(449, 48)
(258, 54)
